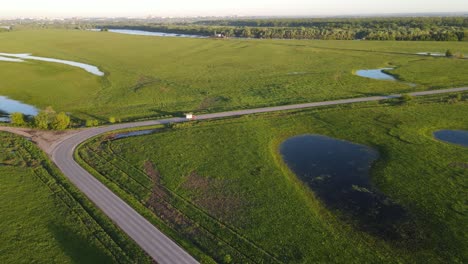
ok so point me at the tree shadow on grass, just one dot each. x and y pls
(78, 247)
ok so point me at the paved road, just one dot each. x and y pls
(156, 244)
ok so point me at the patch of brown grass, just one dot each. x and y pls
(213, 195)
(159, 202)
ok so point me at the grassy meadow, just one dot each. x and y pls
(45, 220)
(222, 188)
(148, 77)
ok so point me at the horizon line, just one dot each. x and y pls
(343, 15)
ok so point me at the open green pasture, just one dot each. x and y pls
(45, 220)
(222, 187)
(147, 77)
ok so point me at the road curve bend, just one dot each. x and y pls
(161, 248)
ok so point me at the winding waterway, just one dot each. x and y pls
(21, 57)
(151, 33)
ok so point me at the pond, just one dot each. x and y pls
(337, 172)
(21, 57)
(458, 137)
(9, 106)
(377, 74)
(150, 33)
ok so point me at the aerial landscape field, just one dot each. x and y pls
(153, 77)
(211, 138)
(232, 170)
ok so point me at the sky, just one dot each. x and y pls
(66, 8)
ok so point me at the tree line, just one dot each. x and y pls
(408, 29)
(45, 119)
(49, 119)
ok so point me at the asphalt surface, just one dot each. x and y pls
(161, 248)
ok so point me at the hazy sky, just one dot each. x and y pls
(13, 8)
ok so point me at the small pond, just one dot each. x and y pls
(377, 74)
(8, 106)
(10, 57)
(337, 171)
(150, 33)
(458, 137)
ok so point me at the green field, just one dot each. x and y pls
(44, 220)
(221, 186)
(148, 77)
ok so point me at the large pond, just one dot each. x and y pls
(10, 57)
(8, 106)
(337, 171)
(458, 137)
(150, 33)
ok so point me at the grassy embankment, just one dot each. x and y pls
(147, 77)
(45, 219)
(223, 186)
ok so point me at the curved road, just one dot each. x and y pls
(161, 248)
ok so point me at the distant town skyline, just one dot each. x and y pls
(179, 8)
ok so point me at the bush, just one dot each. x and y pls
(406, 98)
(60, 121)
(455, 99)
(91, 122)
(448, 53)
(17, 119)
(460, 55)
(207, 260)
(112, 120)
(41, 121)
(227, 259)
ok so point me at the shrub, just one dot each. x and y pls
(406, 98)
(227, 259)
(455, 99)
(91, 122)
(41, 121)
(17, 119)
(448, 53)
(207, 260)
(112, 120)
(60, 121)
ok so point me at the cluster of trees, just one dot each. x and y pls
(46, 119)
(410, 29)
(49, 119)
